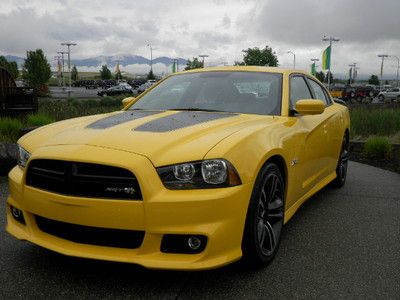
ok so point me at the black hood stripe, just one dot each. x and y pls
(121, 118)
(181, 120)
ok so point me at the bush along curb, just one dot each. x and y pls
(8, 157)
(391, 162)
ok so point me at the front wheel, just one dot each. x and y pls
(381, 98)
(265, 217)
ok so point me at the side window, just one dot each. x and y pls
(298, 90)
(318, 91)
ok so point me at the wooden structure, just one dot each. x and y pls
(15, 100)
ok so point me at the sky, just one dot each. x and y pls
(218, 28)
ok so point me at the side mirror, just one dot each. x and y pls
(310, 107)
(127, 101)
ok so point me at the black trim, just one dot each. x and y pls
(120, 118)
(181, 120)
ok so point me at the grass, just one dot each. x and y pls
(71, 107)
(38, 120)
(378, 147)
(367, 122)
(10, 129)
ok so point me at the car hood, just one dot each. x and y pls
(164, 137)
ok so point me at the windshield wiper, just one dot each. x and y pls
(196, 109)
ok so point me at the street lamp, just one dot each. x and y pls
(69, 44)
(330, 40)
(294, 59)
(351, 73)
(383, 59)
(398, 67)
(203, 56)
(62, 61)
(151, 58)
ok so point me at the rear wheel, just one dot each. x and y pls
(265, 217)
(381, 98)
(341, 169)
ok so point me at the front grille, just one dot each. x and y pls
(91, 235)
(83, 179)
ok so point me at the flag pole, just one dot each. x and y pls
(330, 39)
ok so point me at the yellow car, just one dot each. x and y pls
(201, 170)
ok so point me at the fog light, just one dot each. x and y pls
(17, 214)
(194, 243)
(183, 243)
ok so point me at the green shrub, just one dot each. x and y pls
(378, 147)
(366, 122)
(10, 129)
(38, 120)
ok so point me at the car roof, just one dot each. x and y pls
(245, 69)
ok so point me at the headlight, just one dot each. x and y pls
(212, 173)
(23, 156)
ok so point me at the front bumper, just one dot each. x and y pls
(218, 214)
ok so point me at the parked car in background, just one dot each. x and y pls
(145, 86)
(390, 94)
(116, 90)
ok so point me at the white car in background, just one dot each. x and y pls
(391, 94)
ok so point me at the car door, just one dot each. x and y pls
(332, 124)
(312, 152)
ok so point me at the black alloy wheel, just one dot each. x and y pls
(265, 217)
(341, 169)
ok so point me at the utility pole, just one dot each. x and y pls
(294, 59)
(383, 59)
(314, 60)
(351, 73)
(69, 44)
(151, 58)
(398, 67)
(57, 58)
(203, 56)
(330, 40)
(62, 61)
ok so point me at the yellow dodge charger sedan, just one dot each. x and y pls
(201, 170)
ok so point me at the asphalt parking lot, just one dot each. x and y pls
(76, 92)
(341, 244)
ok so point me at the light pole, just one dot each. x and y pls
(351, 73)
(69, 44)
(59, 69)
(62, 61)
(151, 58)
(203, 56)
(398, 67)
(383, 59)
(330, 40)
(294, 59)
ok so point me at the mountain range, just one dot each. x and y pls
(110, 61)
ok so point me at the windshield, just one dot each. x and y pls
(236, 92)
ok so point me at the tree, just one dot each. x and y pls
(193, 64)
(373, 80)
(151, 76)
(259, 57)
(74, 73)
(105, 72)
(10, 66)
(320, 76)
(36, 69)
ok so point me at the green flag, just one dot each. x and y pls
(174, 67)
(313, 69)
(326, 58)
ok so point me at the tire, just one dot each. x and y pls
(381, 98)
(265, 216)
(341, 168)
